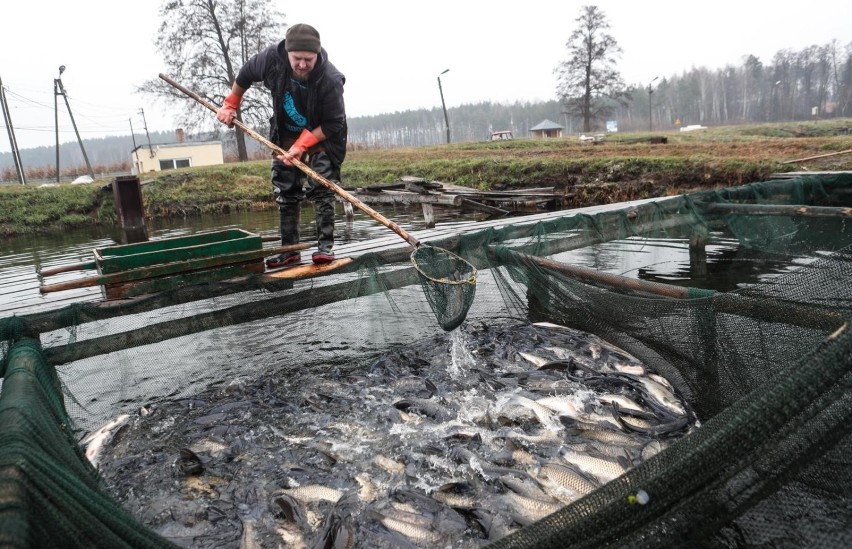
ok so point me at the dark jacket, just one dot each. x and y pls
(324, 105)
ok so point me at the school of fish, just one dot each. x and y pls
(455, 441)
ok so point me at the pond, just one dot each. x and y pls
(663, 260)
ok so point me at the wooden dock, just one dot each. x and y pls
(416, 190)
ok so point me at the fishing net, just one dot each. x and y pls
(340, 410)
(448, 281)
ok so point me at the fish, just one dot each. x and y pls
(458, 495)
(564, 476)
(545, 415)
(530, 509)
(292, 510)
(388, 465)
(515, 453)
(412, 531)
(427, 407)
(337, 530)
(96, 441)
(312, 493)
(625, 404)
(602, 468)
(537, 361)
(657, 394)
(566, 406)
(368, 490)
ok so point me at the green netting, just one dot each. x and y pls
(51, 495)
(766, 367)
(448, 282)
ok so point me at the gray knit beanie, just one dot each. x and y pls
(302, 37)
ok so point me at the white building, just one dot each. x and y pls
(155, 158)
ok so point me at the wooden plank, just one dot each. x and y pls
(404, 197)
(306, 271)
(67, 268)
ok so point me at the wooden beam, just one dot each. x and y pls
(404, 197)
(238, 314)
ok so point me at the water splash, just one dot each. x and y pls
(461, 359)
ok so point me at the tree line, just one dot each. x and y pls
(815, 82)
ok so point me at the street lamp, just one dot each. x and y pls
(650, 113)
(565, 114)
(444, 105)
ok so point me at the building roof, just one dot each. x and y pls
(173, 145)
(546, 125)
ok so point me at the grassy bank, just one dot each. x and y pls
(621, 167)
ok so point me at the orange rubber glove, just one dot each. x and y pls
(305, 141)
(228, 112)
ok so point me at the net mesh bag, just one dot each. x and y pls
(448, 282)
(256, 376)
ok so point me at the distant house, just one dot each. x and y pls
(155, 158)
(546, 129)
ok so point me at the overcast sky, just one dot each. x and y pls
(390, 51)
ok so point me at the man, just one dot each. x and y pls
(309, 121)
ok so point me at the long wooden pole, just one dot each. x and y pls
(847, 151)
(779, 209)
(731, 303)
(613, 280)
(307, 170)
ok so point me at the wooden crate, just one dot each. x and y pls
(209, 255)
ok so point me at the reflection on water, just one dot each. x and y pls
(728, 266)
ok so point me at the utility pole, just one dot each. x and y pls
(650, 104)
(7, 118)
(444, 105)
(145, 124)
(133, 136)
(59, 89)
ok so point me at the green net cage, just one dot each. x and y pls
(588, 391)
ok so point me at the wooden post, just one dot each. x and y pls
(698, 252)
(127, 194)
(429, 214)
(349, 211)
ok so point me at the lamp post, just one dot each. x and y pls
(444, 105)
(565, 114)
(650, 104)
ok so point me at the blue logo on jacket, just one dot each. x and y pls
(293, 114)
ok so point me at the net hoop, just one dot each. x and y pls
(470, 279)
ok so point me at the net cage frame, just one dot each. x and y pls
(779, 441)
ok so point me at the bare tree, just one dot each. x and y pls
(589, 84)
(204, 43)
